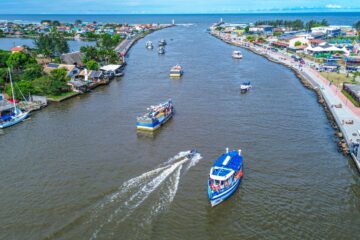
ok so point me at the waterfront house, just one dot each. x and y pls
(112, 70)
(353, 90)
(78, 85)
(74, 58)
(17, 49)
(72, 70)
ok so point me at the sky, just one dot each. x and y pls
(173, 6)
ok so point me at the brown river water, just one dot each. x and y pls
(80, 170)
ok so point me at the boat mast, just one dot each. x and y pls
(12, 90)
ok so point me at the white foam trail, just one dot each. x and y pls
(147, 183)
(177, 157)
(194, 160)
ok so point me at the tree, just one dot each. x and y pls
(297, 43)
(31, 72)
(56, 23)
(17, 61)
(78, 22)
(2, 34)
(4, 55)
(21, 89)
(105, 41)
(92, 65)
(52, 84)
(276, 34)
(246, 29)
(53, 44)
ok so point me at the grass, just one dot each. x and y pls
(346, 94)
(336, 78)
(60, 96)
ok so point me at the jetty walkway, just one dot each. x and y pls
(346, 115)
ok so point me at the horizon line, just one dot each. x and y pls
(210, 13)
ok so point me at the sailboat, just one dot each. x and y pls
(11, 115)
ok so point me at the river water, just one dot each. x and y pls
(79, 169)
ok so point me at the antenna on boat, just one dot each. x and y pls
(227, 150)
(239, 151)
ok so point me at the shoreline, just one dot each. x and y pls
(344, 140)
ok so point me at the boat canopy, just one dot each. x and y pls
(226, 165)
(221, 173)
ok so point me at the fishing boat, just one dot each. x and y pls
(161, 50)
(176, 71)
(156, 116)
(237, 55)
(149, 45)
(225, 176)
(10, 114)
(244, 87)
(162, 43)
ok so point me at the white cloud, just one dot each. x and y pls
(333, 6)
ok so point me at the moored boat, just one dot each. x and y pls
(244, 87)
(10, 114)
(149, 45)
(237, 55)
(225, 176)
(176, 71)
(162, 42)
(156, 116)
(161, 50)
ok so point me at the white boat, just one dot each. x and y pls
(149, 45)
(237, 55)
(161, 50)
(10, 114)
(244, 87)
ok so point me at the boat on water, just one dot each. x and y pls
(156, 116)
(162, 42)
(161, 50)
(237, 55)
(176, 71)
(149, 45)
(10, 114)
(225, 176)
(244, 87)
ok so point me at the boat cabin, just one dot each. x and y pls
(225, 171)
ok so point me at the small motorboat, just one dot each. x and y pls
(161, 50)
(237, 55)
(244, 87)
(149, 45)
(176, 71)
(225, 176)
(162, 43)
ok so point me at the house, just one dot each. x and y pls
(74, 58)
(17, 49)
(261, 29)
(72, 70)
(353, 90)
(328, 31)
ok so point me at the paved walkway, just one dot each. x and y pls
(345, 113)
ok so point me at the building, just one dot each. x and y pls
(17, 49)
(74, 58)
(261, 29)
(72, 70)
(353, 90)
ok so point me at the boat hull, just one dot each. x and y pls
(15, 120)
(219, 198)
(152, 126)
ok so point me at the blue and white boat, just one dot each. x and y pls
(244, 87)
(156, 116)
(10, 114)
(225, 176)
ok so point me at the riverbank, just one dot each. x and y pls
(343, 115)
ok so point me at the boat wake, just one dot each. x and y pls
(151, 192)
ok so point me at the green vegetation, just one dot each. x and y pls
(297, 43)
(348, 96)
(92, 65)
(336, 78)
(219, 28)
(29, 77)
(51, 45)
(276, 34)
(250, 38)
(293, 24)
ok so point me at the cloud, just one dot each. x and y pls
(333, 6)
